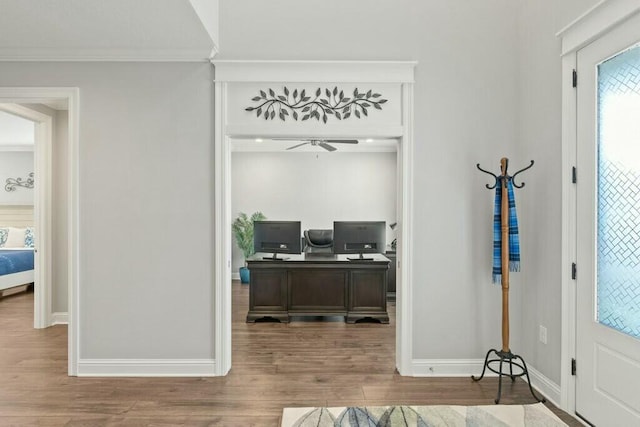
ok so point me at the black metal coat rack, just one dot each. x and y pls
(505, 355)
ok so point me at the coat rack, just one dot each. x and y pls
(505, 355)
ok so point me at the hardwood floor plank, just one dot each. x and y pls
(308, 362)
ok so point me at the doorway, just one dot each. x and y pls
(41, 223)
(21, 101)
(296, 181)
(238, 81)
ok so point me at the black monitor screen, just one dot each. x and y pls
(358, 237)
(277, 237)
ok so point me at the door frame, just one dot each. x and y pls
(228, 72)
(43, 168)
(595, 23)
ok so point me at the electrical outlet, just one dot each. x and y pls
(543, 334)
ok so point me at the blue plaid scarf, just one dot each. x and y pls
(514, 239)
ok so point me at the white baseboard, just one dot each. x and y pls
(448, 367)
(146, 368)
(235, 276)
(59, 318)
(468, 367)
(545, 386)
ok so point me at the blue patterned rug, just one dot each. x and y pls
(536, 415)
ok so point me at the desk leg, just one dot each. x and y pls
(252, 317)
(380, 317)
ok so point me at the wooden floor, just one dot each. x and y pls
(303, 363)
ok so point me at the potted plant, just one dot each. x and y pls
(243, 231)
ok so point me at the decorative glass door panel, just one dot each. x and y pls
(618, 187)
(608, 228)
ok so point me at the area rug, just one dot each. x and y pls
(536, 415)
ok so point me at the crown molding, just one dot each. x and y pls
(106, 55)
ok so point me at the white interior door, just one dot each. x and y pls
(608, 229)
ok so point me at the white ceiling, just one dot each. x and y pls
(268, 145)
(101, 29)
(16, 131)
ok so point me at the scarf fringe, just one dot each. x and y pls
(513, 266)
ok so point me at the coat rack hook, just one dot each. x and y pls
(513, 178)
(497, 179)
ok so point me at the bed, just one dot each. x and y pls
(16, 267)
(16, 247)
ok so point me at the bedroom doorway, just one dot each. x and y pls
(17, 140)
(39, 182)
(36, 105)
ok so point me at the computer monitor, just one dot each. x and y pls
(358, 237)
(277, 237)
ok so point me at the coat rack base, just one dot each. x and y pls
(502, 359)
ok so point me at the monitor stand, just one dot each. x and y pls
(360, 258)
(275, 257)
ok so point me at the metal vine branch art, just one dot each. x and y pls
(12, 183)
(298, 104)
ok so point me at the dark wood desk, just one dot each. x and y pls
(318, 285)
(391, 284)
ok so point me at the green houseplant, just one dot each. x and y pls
(243, 231)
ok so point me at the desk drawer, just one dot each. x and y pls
(368, 291)
(268, 290)
(315, 290)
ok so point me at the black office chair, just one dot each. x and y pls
(318, 241)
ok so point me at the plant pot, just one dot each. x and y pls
(244, 275)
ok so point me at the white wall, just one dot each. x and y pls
(16, 164)
(207, 11)
(539, 137)
(465, 112)
(314, 188)
(59, 216)
(145, 204)
(16, 131)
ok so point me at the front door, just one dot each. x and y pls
(608, 229)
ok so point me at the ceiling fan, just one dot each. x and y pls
(324, 143)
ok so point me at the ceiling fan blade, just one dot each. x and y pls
(342, 141)
(296, 146)
(326, 146)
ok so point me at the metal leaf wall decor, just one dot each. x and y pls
(13, 183)
(299, 105)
